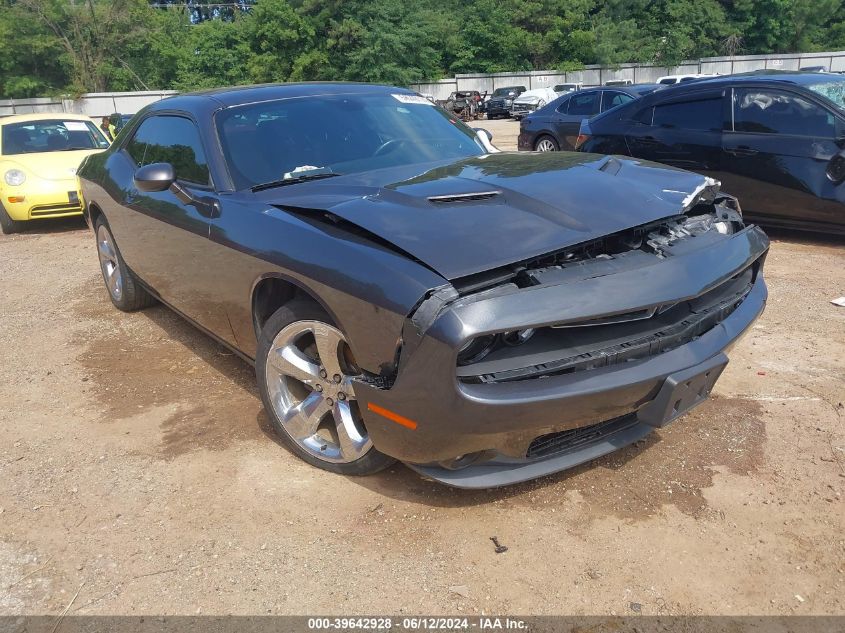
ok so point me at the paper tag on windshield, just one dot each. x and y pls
(76, 126)
(412, 99)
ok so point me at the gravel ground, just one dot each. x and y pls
(137, 469)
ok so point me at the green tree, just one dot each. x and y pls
(32, 60)
(93, 35)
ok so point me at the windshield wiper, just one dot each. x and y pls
(74, 149)
(291, 181)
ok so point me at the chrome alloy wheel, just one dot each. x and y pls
(108, 262)
(545, 145)
(309, 372)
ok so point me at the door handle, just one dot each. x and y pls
(649, 140)
(742, 150)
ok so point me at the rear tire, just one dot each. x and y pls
(304, 369)
(546, 143)
(124, 288)
(7, 224)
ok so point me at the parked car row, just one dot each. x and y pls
(517, 101)
(555, 127)
(775, 139)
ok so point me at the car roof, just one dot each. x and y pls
(763, 76)
(240, 95)
(634, 89)
(43, 116)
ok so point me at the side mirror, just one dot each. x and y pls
(155, 177)
(486, 133)
(162, 176)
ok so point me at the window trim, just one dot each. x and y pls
(123, 149)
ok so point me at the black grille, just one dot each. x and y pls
(565, 441)
(661, 333)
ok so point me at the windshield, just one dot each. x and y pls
(337, 134)
(504, 92)
(31, 137)
(833, 90)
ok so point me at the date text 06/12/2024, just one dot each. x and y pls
(418, 623)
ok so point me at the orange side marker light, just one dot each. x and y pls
(16, 199)
(393, 417)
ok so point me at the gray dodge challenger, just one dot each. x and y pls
(407, 292)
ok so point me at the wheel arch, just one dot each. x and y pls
(272, 291)
(92, 213)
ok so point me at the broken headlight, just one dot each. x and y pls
(476, 349)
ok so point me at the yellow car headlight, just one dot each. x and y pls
(15, 177)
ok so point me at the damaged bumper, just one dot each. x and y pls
(622, 345)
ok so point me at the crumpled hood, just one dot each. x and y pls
(524, 204)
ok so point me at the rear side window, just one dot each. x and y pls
(776, 112)
(587, 103)
(174, 140)
(611, 99)
(703, 114)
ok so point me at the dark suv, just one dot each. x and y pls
(500, 102)
(774, 139)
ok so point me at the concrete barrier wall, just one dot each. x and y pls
(93, 104)
(595, 75)
(103, 103)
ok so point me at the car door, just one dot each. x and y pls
(682, 131)
(162, 238)
(581, 105)
(776, 154)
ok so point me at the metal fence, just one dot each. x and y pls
(595, 75)
(93, 104)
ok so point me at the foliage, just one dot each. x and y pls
(52, 46)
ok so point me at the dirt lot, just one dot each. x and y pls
(137, 468)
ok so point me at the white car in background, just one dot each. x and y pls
(531, 100)
(562, 89)
(668, 80)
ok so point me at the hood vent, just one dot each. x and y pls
(464, 197)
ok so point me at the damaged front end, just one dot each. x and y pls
(541, 365)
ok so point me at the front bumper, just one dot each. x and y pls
(520, 110)
(500, 420)
(498, 109)
(43, 199)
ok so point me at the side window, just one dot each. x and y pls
(563, 106)
(776, 112)
(174, 140)
(611, 99)
(586, 103)
(644, 116)
(702, 114)
(137, 148)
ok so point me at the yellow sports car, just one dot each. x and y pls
(39, 154)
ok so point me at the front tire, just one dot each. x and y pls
(124, 288)
(7, 224)
(305, 372)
